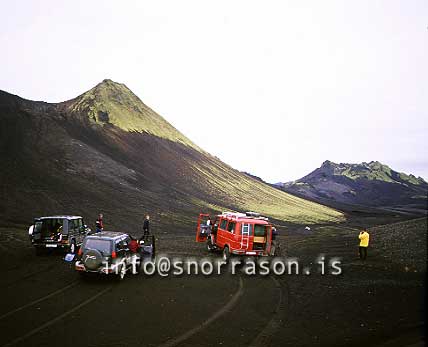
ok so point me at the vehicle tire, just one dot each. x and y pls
(210, 245)
(73, 248)
(226, 254)
(92, 259)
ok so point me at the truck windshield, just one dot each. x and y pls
(104, 246)
(259, 230)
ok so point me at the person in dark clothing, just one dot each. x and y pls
(100, 221)
(214, 228)
(146, 226)
(275, 243)
(98, 228)
(274, 233)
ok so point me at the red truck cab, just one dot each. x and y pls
(236, 233)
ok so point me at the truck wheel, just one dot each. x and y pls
(73, 247)
(226, 254)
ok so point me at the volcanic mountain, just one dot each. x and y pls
(367, 184)
(106, 151)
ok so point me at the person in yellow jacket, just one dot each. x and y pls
(364, 243)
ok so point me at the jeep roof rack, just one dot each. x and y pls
(252, 214)
(59, 217)
(249, 215)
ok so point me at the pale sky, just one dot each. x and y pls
(270, 87)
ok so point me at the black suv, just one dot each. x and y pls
(53, 232)
(108, 252)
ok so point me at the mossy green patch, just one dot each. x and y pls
(114, 103)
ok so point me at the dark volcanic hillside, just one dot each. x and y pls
(107, 151)
(368, 184)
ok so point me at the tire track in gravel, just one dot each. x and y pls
(226, 308)
(264, 338)
(57, 318)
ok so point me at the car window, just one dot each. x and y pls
(259, 230)
(71, 225)
(101, 245)
(231, 227)
(38, 227)
(49, 226)
(121, 244)
(223, 224)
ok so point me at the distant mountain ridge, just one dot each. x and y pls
(373, 170)
(368, 184)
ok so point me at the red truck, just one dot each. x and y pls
(247, 234)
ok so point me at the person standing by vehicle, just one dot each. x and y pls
(98, 226)
(134, 248)
(209, 226)
(146, 226)
(133, 245)
(364, 244)
(274, 233)
(275, 243)
(100, 221)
